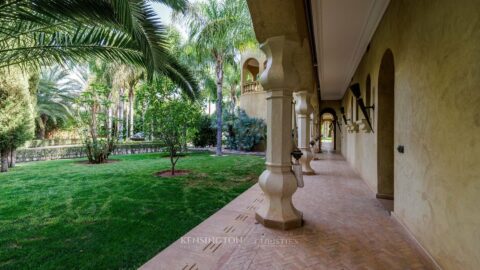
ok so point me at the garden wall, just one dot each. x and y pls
(52, 142)
(67, 152)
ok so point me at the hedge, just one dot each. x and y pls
(68, 152)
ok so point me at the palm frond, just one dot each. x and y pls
(44, 32)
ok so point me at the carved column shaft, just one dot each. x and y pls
(278, 181)
(303, 110)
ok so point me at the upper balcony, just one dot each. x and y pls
(251, 87)
(253, 64)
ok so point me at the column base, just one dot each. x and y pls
(281, 225)
(384, 196)
(277, 211)
(305, 162)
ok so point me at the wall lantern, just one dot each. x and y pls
(339, 125)
(355, 88)
(342, 111)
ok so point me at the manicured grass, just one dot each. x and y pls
(65, 215)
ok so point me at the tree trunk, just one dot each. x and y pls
(233, 97)
(127, 121)
(130, 111)
(172, 161)
(4, 160)
(43, 126)
(185, 147)
(144, 113)
(109, 118)
(13, 158)
(219, 74)
(93, 123)
(209, 103)
(120, 115)
(151, 130)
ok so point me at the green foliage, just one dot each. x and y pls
(55, 95)
(206, 135)
(44, 33)
(16, 115)
(175, 125)
(218, 30)
(244, 132)
(98, 139)
(150, 95)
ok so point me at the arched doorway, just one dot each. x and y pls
(328, 129)
(385, 127)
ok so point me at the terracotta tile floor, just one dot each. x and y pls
(345, 228)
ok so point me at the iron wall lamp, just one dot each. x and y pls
(342, 111)
(355, 88)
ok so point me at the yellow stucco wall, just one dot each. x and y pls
(254, 104)
(436, 48)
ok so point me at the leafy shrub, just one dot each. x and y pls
(175, 126)
(244, 132)
(16, 115)
(206, 135)
(98, 139)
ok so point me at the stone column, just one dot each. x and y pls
(278, 181)
(315, 133)
(303, 110)
(320, 134)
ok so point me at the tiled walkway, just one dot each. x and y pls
(345, 228)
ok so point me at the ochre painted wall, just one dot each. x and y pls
(254, 104)
(436, 48)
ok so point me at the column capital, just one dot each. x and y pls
(280, 73)
(302, 103)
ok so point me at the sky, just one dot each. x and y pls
(163, 12)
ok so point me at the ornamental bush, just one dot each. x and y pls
(244, 132)
(206, 135)
(174, 126)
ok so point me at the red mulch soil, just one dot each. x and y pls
(168, 173)
(86, 162)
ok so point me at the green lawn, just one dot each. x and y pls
(61, 214)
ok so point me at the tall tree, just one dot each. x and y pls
(16, 114)
(125, 80)
(133, 78)
(232, 79)
(54, 97)
(219, 28)
(104, 74)
(44, 32)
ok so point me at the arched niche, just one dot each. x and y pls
(385, 126)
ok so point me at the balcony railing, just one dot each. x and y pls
(251, 87)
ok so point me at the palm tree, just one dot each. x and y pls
(232, 77)
(132, 79)
(55, 94)
(46, 32)
(219, 28)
